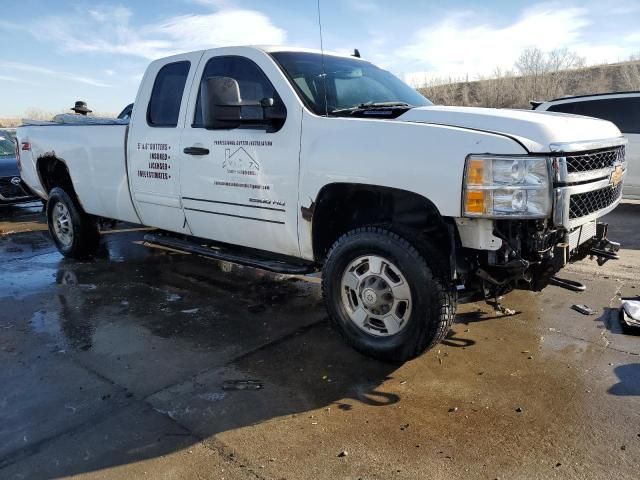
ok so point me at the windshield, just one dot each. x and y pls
(6, 146)
(350, 82)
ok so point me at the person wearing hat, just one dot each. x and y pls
(81, 108)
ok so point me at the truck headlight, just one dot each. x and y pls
(516, 187)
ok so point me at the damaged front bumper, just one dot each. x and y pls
(596, 246)
(589, 240)
(531, 255)
(499, 254)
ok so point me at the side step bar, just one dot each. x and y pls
(241, 258)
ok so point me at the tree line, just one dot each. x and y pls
(536, 75)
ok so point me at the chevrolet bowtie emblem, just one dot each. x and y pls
(616, 175)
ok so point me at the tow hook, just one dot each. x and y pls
(604, 249)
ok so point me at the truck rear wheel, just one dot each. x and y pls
(384, 297)
(75, 233)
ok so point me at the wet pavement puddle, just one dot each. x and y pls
(128, 356)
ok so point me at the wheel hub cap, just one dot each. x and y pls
(376, 295)
(62, 226)
(369, 296)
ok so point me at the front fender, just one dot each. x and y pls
(420, 158)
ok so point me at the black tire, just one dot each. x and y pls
(433, 296)
(85, 233)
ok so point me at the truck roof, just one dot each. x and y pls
(265, 49)
(282, 48)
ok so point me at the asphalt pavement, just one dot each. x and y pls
(146, 363)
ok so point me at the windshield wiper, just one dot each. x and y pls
(371, 106)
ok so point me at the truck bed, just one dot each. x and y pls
(95, 156)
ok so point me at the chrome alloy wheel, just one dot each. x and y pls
(376, 296)
(62, 225)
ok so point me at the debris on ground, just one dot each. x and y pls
(343, 453)
(507, 312)
(213, 396)
(497, 306)
(256, 308)
(630, 313)
(242, 385)
(500, 309)
(583, 309)
(190, 311)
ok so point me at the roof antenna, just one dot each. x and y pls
(324, 74)
(356, 53)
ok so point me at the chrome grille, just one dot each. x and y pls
(596, 160)
(584, 177)
(583, 204)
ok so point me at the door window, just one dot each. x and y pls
(254, 84)
(166, 96)
(624, 112)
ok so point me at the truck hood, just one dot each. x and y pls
(536, 130)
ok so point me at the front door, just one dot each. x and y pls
(154, 152)
(240, 185)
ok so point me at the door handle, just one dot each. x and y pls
(196, 151)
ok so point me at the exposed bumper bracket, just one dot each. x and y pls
(604, 249)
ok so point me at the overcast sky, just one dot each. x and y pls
(54, 52)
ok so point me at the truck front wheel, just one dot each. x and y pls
(75, 233)
(384, 297)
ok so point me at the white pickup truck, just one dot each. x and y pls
(296, 161)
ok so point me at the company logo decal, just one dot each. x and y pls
(240, 162)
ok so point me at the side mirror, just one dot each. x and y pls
(223, 107)
(221, 103)
(275, 113)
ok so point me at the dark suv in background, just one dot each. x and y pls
(12, 189)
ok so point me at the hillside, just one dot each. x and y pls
(513, 91)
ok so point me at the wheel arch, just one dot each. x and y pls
(341, 207)
(54, 172)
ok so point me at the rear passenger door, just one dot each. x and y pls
(154, 141)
